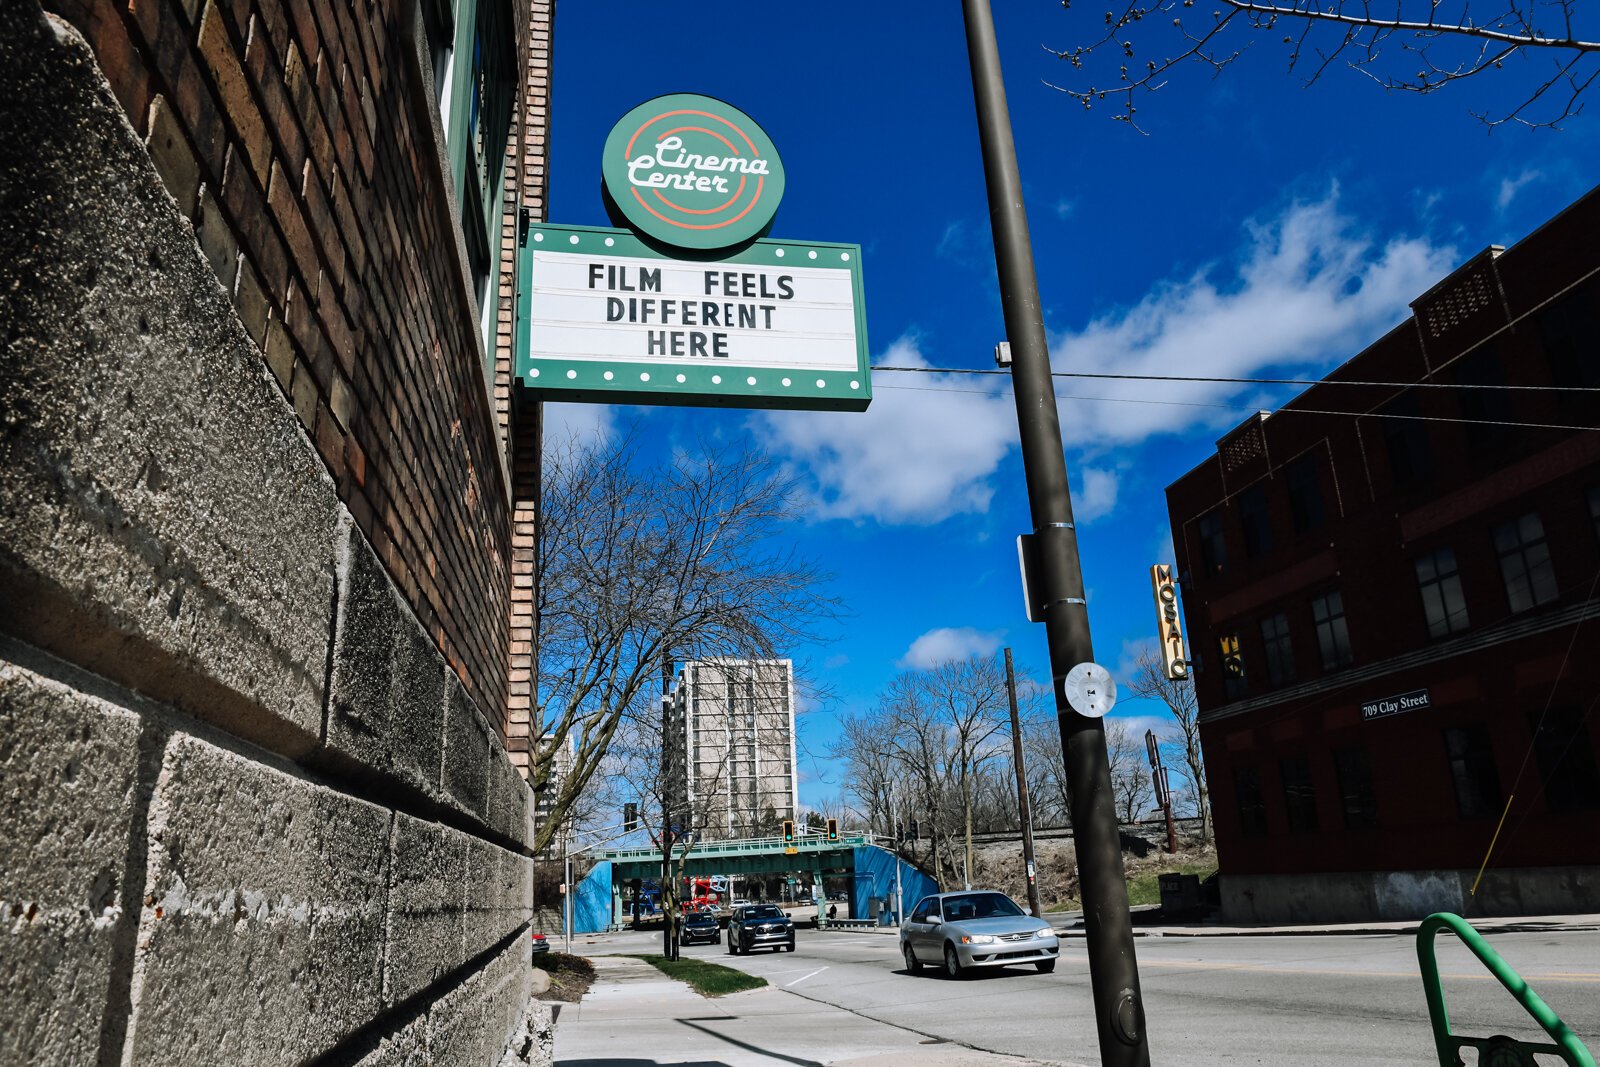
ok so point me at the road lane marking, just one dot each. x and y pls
(803, 977)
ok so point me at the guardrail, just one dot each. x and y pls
(852, 924)
(1498, 1049)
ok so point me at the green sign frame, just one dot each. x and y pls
(703, 382)
(692, 172)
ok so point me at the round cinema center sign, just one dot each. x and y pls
(692, 172)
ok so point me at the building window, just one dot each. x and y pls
(1566, 760)
(1485, 409)
(1252, 809)
(1213, 546)
(1278, 649)
(1569, 328)
(1355, 787)
(1257, 522)
(1405, 436)
(1333, 638)
(1305, 494)
(1233, 680)
(1525, 564)
(1299, 796)
(1472, 769)
(1442, 601)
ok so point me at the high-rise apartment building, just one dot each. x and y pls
(738, 736)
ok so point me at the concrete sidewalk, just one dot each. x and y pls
(634, 1016)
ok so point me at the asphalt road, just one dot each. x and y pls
(1285, 1000)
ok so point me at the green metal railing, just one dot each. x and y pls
(1499, 1050)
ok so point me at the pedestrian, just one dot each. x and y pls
(833, 910)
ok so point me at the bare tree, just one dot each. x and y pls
(1130, 780)
(1150, 681)
(1412, 46)
(641, 561)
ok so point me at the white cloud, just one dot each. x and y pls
(947, 643)
(1510, 187)
(581, 424)
(1309, 291)
(1095, 496)
(920, 454)
(1064, 208)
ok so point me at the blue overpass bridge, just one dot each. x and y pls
(869, 868)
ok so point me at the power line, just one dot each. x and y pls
(1237, 408)
(1250, 381)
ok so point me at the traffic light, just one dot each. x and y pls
(833, 829)
(788, 831)
(630, 817)
(914, 835)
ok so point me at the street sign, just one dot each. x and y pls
(1382, 708)
(1169, 631)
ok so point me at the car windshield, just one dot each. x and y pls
(765, 912)
(979, 906)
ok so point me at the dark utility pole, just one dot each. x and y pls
(669, 902)
(1113, 970)
(1022, 792)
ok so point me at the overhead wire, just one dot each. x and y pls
(1101, 375)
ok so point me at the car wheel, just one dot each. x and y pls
(731, 950)
(952, 963)
(912, 963)
(1046, 966)
(790, 946)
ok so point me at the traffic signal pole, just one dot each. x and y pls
(1113, 969)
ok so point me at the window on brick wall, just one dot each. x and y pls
(1278, 649)
(1252, 808)
(1525, 564)
(1305, 493)
(1473, 771)
(1565, 754)
(1256, 519)
(1299, 795)
(471, 44)
(1405, 437)
(1213, 545)
(1439, 582)
(1360, 803)
(1333, 638)
(1485, 409)
(1233, 680)
(1569, 329)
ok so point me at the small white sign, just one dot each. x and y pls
(674, 312)
(1090, 690)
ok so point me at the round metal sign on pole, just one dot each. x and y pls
(1090, 690)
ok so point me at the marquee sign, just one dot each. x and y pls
(689, 304)
(606, 319)
(692, 172)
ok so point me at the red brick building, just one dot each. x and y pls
(1391, 591)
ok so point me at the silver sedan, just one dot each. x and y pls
(979, 928)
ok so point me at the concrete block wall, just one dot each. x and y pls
(252, 814)
(300, 139)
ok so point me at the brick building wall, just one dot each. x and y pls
(1350, 549)
(300, 140)
(257, 805)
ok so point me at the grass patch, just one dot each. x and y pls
(1145, 886)
(707, 979)
(570, 976)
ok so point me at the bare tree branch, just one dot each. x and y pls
(1361, 35)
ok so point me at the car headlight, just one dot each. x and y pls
(978, 939)
(1046, 932)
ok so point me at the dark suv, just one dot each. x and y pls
(700, 926)
(760, 926)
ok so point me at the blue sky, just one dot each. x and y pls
(1262, 227)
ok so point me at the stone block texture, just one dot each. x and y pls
(253, 582)
(65, 863)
